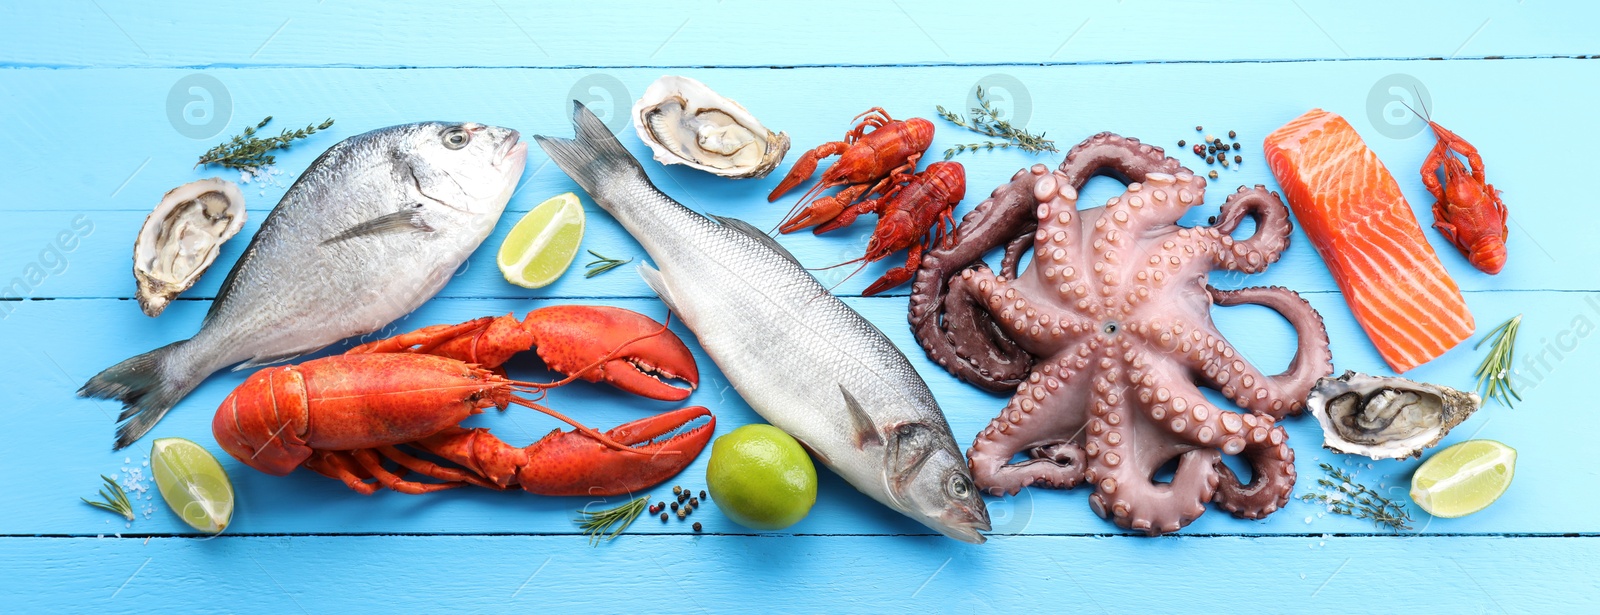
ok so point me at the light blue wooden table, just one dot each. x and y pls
(92, 131)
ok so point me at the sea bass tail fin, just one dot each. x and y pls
(594, 158)
(146, 389)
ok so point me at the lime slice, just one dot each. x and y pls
(542, 244)
(1464, 478)
(192, 483)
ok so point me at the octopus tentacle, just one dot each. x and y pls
(1280, 395)
(942, 313)
(1263, 247)
(1271, 482)
(1034, 421)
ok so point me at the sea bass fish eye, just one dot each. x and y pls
(456, 137)
(960, 487)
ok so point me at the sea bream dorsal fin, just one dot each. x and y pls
(409, 218)
(756, 234)
(865, 430)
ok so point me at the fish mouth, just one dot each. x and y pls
(512, 149)
(966, 532)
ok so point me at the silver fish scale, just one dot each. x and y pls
(810, 337)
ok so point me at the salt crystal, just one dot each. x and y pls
(1308, 520)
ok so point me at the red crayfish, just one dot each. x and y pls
(1467, 210)
(347, 416)
(869, 163)
(913, 216)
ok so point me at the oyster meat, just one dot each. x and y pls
(685, 122)
(1384, 417)
(182, 237)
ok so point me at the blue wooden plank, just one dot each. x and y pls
(56, 344)
(53, 112)
(689, 574)
(697, 33)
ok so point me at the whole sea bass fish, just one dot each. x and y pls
(371, 230)
(804, 360)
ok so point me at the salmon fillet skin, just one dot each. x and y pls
(1360, 223)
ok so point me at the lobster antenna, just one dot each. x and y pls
(586, 430)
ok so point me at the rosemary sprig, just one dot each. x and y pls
(116, 501)
(596, 524)
(1494, 374)
(1359, 501)
(985, 121)
(602, 264)
(247, 151)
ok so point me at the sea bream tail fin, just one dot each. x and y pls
(594, 158)
(147, 388)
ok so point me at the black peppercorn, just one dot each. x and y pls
(1180, 142)
(1211, 159)
(674, 507)
(1238, 159)
(1233, 135)
(1236, 147)
(663, 517)
(697, 526)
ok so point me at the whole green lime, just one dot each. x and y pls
(761, 478)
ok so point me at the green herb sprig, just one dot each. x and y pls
(1494, 374)
(609, 522)
(247, 151)
(1359, 501)
(116, 501)
(985, 121)
(602, 264)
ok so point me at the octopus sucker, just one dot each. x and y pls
(1130, 399)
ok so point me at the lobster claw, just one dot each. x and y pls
(570, 463)
(644, 357)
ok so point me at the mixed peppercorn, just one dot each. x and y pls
(1216, 151)
(684, 504)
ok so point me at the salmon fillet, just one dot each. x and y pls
(1365, 231)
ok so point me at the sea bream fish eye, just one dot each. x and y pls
(456, 137)
(465, 165)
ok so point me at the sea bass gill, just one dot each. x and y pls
(803, 359)
(371, 230)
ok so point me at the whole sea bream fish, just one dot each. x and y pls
(804, 360)
(372, 229)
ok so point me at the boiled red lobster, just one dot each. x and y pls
(913, 216)
(351, 417)
(878, 153)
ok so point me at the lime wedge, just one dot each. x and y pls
(192, 483)
(542, 244)
(1464, 478)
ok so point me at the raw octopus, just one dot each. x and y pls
(1106, 338)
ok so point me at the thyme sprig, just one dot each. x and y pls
(1494, 374)
(611, 521)
(1357, 500)
(985, 121)
(116, 501)
(248, 151)
(602, 264)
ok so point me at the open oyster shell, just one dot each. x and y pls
(687, 123)
(1386, 418)
(181, 238)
